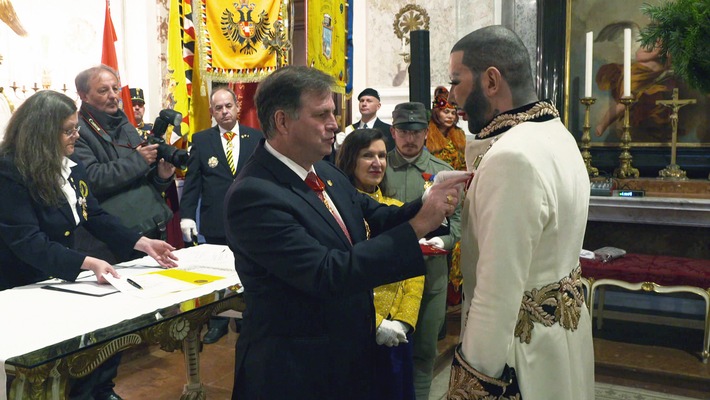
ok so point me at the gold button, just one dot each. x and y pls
(67, 233)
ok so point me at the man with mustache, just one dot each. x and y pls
(410, 170)
(116, 159)
(525, 325)
(114, 153)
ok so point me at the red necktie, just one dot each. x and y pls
(314, 182)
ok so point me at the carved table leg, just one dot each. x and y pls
(191, 348)
(43, 382)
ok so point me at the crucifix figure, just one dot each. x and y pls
(673, 171)
(277, 42)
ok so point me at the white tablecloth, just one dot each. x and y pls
(34, 318)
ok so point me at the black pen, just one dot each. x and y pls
(134, 284)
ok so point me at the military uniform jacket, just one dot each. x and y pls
(308, 329)
(406, 182)
(209, 176)
(36, 240)
(524, 218)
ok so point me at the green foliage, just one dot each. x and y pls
(682, 29)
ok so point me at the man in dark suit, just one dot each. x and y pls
(299, 229)
(369, 104)
(216, 156)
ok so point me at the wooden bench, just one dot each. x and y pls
(659, 274)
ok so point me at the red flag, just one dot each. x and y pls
(108, 57)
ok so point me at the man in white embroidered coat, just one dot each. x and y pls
(523, 223)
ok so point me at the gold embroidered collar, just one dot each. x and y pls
(539, 111)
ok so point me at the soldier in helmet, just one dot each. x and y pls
(138, 100)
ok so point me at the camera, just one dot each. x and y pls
(171, 154)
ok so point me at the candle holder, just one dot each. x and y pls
(586, 138)
(673, 171)
(35, 87)
(625, 169)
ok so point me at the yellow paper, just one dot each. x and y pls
(188, 276)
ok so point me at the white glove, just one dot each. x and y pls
(446, 175)
(443, 176)
(391, 333)
(436, 241)
(188, 228)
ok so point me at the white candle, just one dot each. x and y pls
(627, 62)
(588, 67)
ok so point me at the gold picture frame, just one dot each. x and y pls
(652, 80)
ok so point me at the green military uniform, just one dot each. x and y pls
(406, 181)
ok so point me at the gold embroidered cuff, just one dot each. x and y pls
(466, 383)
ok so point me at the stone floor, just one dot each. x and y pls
(648, 369)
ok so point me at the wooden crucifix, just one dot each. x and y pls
(673, 171)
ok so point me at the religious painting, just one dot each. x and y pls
(652, 80)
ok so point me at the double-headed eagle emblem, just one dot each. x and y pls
(244, 32)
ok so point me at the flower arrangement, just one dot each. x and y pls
(681, 28)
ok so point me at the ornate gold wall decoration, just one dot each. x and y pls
(410, 18)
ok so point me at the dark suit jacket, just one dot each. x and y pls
(36, 240)
(308, 330)
(211, 179)
(385, 129)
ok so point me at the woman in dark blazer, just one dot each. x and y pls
(45, 198)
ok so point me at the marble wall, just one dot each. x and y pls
(449, 21)
(384, 67)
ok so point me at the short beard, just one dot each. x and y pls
(476, 108)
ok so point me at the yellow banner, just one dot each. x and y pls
(325, 30)
(179, 94)
(232, 34)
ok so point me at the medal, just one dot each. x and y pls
(84, 190)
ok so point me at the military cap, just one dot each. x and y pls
(369, 92)
(410, 116)
(137, 95)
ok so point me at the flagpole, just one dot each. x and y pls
(109, 58)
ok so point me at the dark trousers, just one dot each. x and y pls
(394, 372)
(98, 381)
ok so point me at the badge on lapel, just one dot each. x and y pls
(212, 162)
(84, 190)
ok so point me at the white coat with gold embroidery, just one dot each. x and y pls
(523, 224)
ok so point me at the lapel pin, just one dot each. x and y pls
(330, 183)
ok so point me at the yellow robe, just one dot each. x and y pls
(398, 300)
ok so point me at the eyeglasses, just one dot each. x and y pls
(72, 131)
